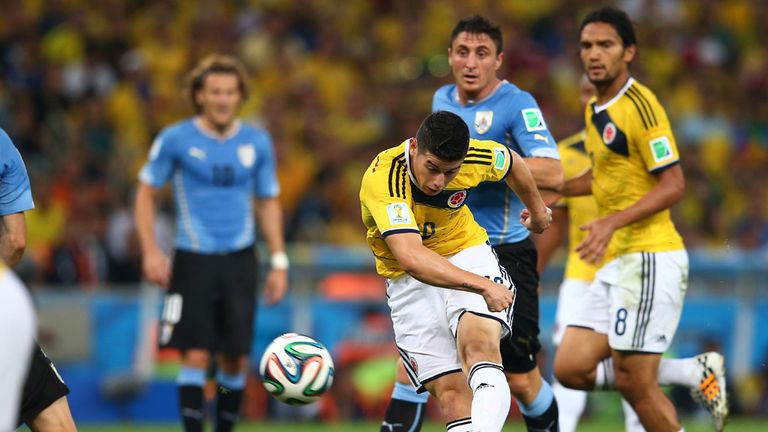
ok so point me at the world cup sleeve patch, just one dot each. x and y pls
(661, 149)
(398, 214)
(499, 159)
(534, 121)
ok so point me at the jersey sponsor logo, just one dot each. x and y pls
(483, 121)
(609, 133)
(661, 149)
(247, 155)
(197, 153)
(499, 159)
(398, 214)
(457, 198)
(534, 121)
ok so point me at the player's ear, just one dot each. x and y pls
(450, 61)
(629, 53)
(412, 146)
(499, 60)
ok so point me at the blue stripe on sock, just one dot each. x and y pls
(416, 419)
(408, 393)
(540, 404)
(191, 376)
(231, 381)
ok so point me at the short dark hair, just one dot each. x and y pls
(445, 135)
(478, 24)
(616, 18)
(215, 63)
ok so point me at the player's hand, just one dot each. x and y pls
(536, 223)
(498, 297)
(157, 268)
(275, 286)
(592, 248)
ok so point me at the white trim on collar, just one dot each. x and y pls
(213, 135)
(603, 107)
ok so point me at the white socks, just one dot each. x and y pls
(571, 405)
(683, 372)
(491, 400)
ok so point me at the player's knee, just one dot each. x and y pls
(571, 373)
(520, 384)
(633, 386)
(480, 350)
(196, 358)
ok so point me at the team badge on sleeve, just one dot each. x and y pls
(398, 214)
(499, 159)
(483, 121)
(534, 121)
(661, 149)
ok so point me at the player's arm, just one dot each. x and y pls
(155, 263)
(269, 215)
(551, 239)
(13, 237)
(668, 191)
(577, 186)
(433, 269)
(536, 216)
(547, 172)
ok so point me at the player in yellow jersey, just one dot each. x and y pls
(628, 316)
(450, 300)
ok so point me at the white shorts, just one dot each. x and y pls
(425, 317)
(568, 304)
(17, 331)
(636, 299)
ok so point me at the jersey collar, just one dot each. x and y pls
(234, 130)
(618, 96)
(475, 102)
(407, 145)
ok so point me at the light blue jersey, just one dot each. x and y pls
(510, 116)
(15, 193)
(214, 183)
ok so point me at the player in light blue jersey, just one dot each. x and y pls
(223, 174)
(43, 405)
(496, 109)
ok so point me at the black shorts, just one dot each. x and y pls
(211, 302)
(518, 353)
(43, 386)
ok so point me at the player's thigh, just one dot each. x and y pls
(187, 319)
(579, 353)
(236, 310)
(42, 388)
(647, 300)
(422, 333)
(569, 298)
(55, 417)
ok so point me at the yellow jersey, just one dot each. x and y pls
(581, 209)
(629, 139)
(392, 203)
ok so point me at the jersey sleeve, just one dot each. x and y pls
(392, 214)
(266, 184)
(655, 141)
(161, 161)
(491, 161)
(15, 192)
(529, 129)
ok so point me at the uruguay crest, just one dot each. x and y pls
(483, 121)
(246, 153)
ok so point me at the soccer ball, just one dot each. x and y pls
(296, 369)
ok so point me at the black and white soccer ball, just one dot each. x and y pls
(296, 369)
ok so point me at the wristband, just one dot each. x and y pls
(279, 261)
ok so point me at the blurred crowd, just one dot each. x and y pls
(85, 85)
